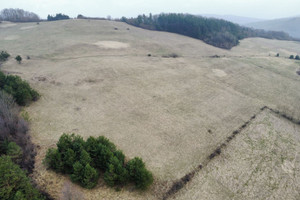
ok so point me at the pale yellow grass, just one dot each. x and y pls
(159, 109)
(262, 162)
(111, 45)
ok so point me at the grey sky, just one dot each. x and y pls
(266, 9)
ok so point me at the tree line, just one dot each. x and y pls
(58, 16)
(216, 32)
(18, 15)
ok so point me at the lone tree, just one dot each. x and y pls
(19, 59)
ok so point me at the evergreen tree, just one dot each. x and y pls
(90, 177)
(139, 174)
(15, 152)
(53, 160)
(14, 184)
(116, 174)
(85, 158)
(103, 156)
(69, 159)
(78, 170)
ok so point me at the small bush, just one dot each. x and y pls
(291, 57)
(19, 59)
(4, 56)
(277, 55)
(297, 57)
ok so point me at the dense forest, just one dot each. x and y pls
(216, 32)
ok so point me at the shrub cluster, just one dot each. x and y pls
(297, 57)
(4, 56)
(19, 89)
(82, 160)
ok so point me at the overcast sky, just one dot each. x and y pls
(264, 9)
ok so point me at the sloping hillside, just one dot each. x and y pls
(109, 78)
(288, 25)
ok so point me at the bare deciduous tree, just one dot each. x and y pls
(18, 15)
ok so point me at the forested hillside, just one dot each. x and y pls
(216, 32)
(289, 25)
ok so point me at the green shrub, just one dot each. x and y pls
(65, 142)
(116, 174)
(74, 142)
(90, 177)
(103, 156)
(19, 89)
(86, 176)
(139, 174)
(91, 147)
(4, 55)
(14, 184)
(85, 158)
(53, 160)
(120, 155)
(15, 152)
(18, 58)
(77, 175)
(297, 57)
(291, 57)
(68, 158)
(104, 141)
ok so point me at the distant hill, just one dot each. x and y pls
(288, 25)
(216, 32)
(235, 19)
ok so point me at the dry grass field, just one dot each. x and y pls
(96, 78)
